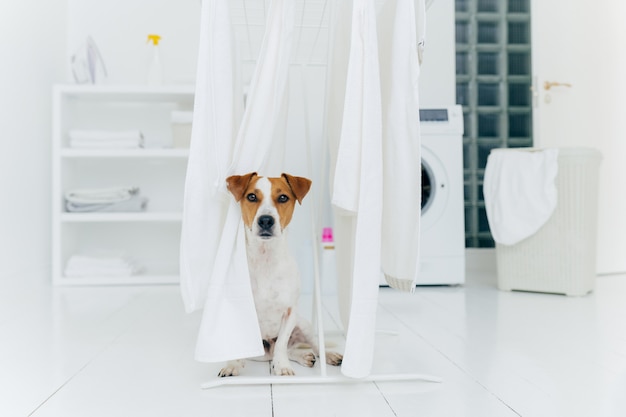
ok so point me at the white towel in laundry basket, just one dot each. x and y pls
(520, 192)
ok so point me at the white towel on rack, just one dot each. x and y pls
(214, 271)
(420, 26)
(217, 111)
(520, 192)
(399, 67)
(357, 187)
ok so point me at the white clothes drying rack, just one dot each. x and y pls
(313, 27)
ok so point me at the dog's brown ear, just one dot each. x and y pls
(300, 186)
(237, 184)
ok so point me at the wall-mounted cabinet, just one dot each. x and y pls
(148, 236)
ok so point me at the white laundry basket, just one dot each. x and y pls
(561, 257)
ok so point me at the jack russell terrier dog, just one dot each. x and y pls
(267, 206)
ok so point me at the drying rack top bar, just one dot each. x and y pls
(311, 34)
(312, 28)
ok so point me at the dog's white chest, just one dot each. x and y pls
(275, 284)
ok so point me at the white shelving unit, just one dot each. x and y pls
(152, 237)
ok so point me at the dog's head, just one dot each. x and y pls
(267, 203)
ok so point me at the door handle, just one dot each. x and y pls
(549, 84)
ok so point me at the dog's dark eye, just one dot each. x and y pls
(283, 198)
(251, 197)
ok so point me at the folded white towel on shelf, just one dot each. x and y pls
(520, 192)
(106, 138)
(117, 266)
(116, 199)
(134, 204)
(101, 195)
(110, 144)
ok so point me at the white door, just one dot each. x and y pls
(581, 46)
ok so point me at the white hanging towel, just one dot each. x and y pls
(520, 192)
(214, 270)
(357, 187)
(218, 110)
(399, 43)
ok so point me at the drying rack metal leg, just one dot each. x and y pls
(315, 235)
(317, 302)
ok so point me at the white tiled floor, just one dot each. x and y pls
(128, 351)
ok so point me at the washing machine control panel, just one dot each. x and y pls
(442, 120)
(433, 115)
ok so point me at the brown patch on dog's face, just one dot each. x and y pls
(286, 190)
(261, 198)
(284, 199)
(243, 188)
(300, 186)
(237, 184)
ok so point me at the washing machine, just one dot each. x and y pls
(442, 229)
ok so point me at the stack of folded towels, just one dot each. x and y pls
(116, 266)
(105, 139)
(116, 199)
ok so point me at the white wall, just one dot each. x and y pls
(32, 45)
(438, 72)
(607, 104)
(120, 29)
(590, 113)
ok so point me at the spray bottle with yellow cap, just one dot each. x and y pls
(155, 72)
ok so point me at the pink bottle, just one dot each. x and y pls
(328, 242)
(329, 264)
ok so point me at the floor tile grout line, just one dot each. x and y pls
(337, 324)
(447, 357)
(385, 398)
(59, 389)
(272, 398)
(75, 374)
(99, 353)
(269, 366)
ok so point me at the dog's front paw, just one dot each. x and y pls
(334, 358)
(232, 368)
(303, 357)
(285, 371)
(229, 371)
(282, 368)
(308, 359)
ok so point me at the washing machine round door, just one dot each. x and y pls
(434, 188)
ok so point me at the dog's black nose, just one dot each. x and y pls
(266, 222)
